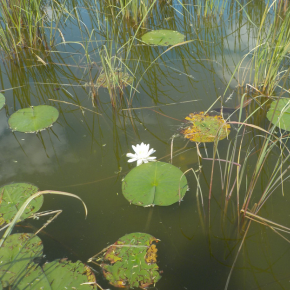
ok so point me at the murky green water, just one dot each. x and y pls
(85, 152)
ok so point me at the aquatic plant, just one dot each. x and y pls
(130, 261)
(33, 119)
(163, 37)
(142, 154)
(204, 127)
(24, 24)
(278, 113)
(135, 9)
(269, 57)
(21, 253)
(155, 183)
(2, 101)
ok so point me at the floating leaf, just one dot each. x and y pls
(2, 101)
(132, 261)
(280, 114)
(19, 269)
(33, 119)
(12, 196)
(59, 274)
(117, 79)
(154, 183)
(205, 128)
(16, 254)
(163, 37)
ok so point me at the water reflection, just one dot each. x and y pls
(27, 154)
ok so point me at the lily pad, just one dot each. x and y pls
(58, 274)
(163, 37)
(12, 196)
(16, 254)
(154, 183)
(33, 119)
(117, 79)
(202, 127)
(280, 115)
(131, 261)
(2, 101)
(19, 269)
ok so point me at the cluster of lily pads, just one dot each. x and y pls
(21, 255)
(132, 260)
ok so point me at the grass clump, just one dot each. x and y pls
(269, 63)
(23, 24)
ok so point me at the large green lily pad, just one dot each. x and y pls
(2, 101)
(281, 115)
(33, 119)
(154, 183)
(12, 196)
(19, 269)
(202, 127)
(16, 255)
(163, 37)
(131, 261)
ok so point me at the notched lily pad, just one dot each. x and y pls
(2, 101)
(281, 115)
(12, 196)
(131, 261)
(154, 183)
(202, 127)
(116, 79)
(163, 37)
(33, 119)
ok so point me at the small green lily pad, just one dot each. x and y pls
(163, 37)
(281, 115)
(2, 101)
(131, 261)
(16, 254)
(154, 183)
(12, 196)
(33, 119)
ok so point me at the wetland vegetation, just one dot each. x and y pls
(85, 83)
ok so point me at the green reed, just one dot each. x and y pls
(134, 9)
(270, 56)
(23, 25)
(210, 8)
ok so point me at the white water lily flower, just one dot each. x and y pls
(142, 154)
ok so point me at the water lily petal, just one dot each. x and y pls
(134, 148)
(139, 162)
(131, 155)
(133, 159)
(151, 158)
(151, 151)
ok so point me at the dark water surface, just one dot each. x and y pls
(85, 153)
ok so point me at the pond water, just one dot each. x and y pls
(84, 152)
